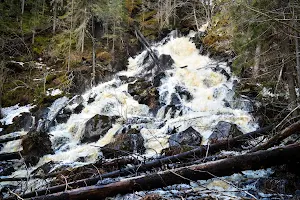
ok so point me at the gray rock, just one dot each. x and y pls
(124, 144)
(187, 137)
(224, 130)
(97, 127)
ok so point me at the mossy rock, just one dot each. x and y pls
(35, 145)
(124, 144)
(104, 56)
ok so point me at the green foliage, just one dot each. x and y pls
(41, 44)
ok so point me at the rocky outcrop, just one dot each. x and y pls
(187, 137)
(35, 145)
(224, 130)
(97, 127)
(125, 144)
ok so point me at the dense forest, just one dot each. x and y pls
(58, 58)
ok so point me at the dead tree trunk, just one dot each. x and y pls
(10, 156)
(199, 152)
(10, 139)
(275, 140)
(253, 161)
(257, 60)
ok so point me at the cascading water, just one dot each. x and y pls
(195, 91)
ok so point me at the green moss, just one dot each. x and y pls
(50, 78)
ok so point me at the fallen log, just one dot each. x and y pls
(10, 156)
(8, 139)
(112, 164)
(224, 167)
(276, 139)
(199, 152)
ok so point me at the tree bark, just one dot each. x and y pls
(291, 86)
(198, 152)
(224, 167)
(54, 16)
(10, 139)
(297, 58)
(275, 140)
(10, 156)
(257, 60)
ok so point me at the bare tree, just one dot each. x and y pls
(3, 73)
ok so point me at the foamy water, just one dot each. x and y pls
(190, 70)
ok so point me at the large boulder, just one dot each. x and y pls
(187, 137)
(97, 127)
(35, 145)
(138, 87)
(144, 93)
(22, 122)
(124, 144)
(165, 62)
(224, 130)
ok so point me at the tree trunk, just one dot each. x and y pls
(94, 53)
(291, 86)
(10, 156)
(54, 15)
(257, 60)
(275, 140)
(22, 6)
(297, 58)
(224, 167)
(199, 152)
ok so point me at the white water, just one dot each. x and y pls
(10, 112)
(208, 88)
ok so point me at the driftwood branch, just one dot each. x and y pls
(253, 161)
(200, 152)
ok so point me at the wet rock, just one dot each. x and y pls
(171, 111)
(91, 99)
(224, 130)
(138, 87)
(150, 98)
(78, 108)
(157, 79)
(127, 79)
(44, 169)
(125, 144)
(22, 122)
(97, 127)
(35, 145)
(183, 93)
(187, 137)
(62, 117)
(277, 185)
(175, 99)
(221, 71)
(59, 142)
(165, 62)
(6, 169)
(144, 93)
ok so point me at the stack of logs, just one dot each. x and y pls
(197, 164)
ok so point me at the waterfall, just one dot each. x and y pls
(189, 90)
